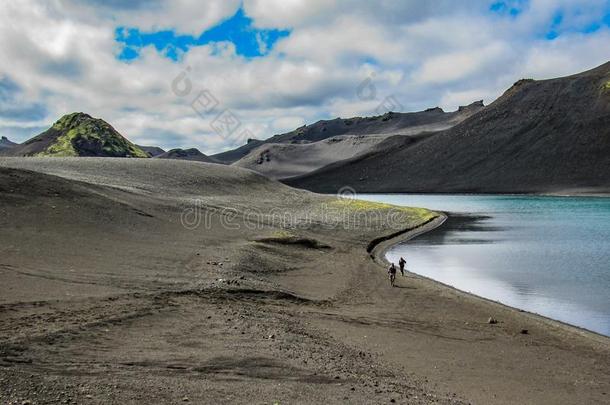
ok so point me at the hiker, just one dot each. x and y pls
(392, 274)
(402, 262)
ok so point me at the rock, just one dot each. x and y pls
(185, 399)
(272, 336)
(524, 331)
(492, 321)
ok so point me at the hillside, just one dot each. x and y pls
(152, 150)
(78, 134)
(391, 123)
(5, 143)
(549, 136)
(283, 160)
(192, 154)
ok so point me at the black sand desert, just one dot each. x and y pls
(179, 211)
(125, 303)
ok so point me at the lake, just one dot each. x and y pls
(547, 255)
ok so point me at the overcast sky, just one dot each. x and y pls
(207, 74)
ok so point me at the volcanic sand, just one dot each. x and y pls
(155, 281)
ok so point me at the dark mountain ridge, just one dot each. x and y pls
(6, 143)
(540, 136)
(152, 150)
(388, 123)
(192, 154)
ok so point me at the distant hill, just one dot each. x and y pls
(539, 136)
(283, 160)
(78, 134)
(5, 143)
(192, 154)
(391, 123)
(151, 150)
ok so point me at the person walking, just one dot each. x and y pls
(401, 263)
(392, 274)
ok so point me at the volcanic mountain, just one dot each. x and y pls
(433, 119)
(5, 143)
(192, 154)
(549, 136)
(151, 150)
(78, 134)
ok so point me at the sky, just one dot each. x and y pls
(211, 74)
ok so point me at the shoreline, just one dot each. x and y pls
(378, 254)
(513, 194)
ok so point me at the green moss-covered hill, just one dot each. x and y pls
(79, 134)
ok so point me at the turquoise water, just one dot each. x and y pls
(548, 255)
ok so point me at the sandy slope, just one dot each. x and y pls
(285, 160)
(106, 297)
(282, 160)
(299, 153)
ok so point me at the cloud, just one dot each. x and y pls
(61, 56)
(183, 16)
(286, 124)
(14, 108)
(460, 65)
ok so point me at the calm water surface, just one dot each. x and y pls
(549, 255)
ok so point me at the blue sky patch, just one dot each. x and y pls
(561, 25)
(508, 8)
(555, 26)
(249, 41)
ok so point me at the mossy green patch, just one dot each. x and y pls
(61, 148)
(362, 205)
(606, 86)
(283, 234)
